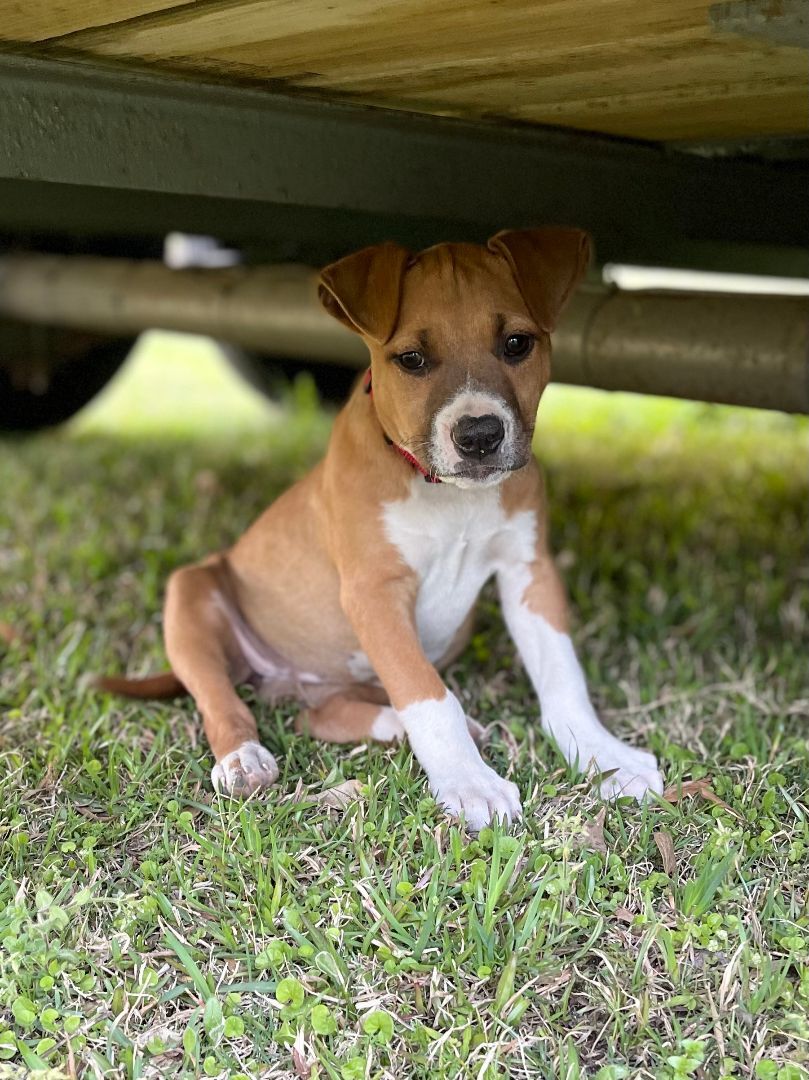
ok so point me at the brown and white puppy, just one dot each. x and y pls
(358, 585)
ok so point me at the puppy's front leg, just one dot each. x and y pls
(535, 610)
(432, 717)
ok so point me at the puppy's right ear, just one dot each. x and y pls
(547, 265)
(363, 290)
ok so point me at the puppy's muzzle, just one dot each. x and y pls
(475, 437)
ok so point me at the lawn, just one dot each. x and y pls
(150, 929)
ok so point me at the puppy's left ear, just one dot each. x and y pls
(547, 265)
(363, 290)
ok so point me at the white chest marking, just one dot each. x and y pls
(454, 539)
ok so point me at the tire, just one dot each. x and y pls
(267, 374)
(47, 374)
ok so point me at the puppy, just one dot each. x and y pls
(357, 586)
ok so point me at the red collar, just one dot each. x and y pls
(412, 461)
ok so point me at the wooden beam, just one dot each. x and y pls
(124, 131)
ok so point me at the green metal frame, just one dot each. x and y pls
(119, 152)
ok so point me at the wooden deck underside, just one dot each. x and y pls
(653, 70)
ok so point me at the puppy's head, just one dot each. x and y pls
(459, 337)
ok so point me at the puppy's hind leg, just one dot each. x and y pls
(359, 713)
(206, 658)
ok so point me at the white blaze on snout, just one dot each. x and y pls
(469, 401)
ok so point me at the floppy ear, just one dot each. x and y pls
(547, 265)
(363, 290)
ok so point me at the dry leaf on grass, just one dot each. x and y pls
(665, 845)
(46, 783)
(9, 635)
(299, 1063)
(425, 877)
(341, 796)
(548, 985)
(676, 792)
(593, 834)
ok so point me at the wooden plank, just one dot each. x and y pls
(38, 20)
(638, 89)
(652, 71)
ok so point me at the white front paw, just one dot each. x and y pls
(246, 769)
(476, 793)
(462, 782)
(632, 772)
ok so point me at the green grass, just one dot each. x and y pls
(149, 929)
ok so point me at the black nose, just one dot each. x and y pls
(477, 436)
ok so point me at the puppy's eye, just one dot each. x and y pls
(517, 346)
(414, 362)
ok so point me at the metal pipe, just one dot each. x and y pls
(736, 349)
(741, 350)
(272, 308)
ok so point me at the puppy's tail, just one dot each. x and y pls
(166, 685)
